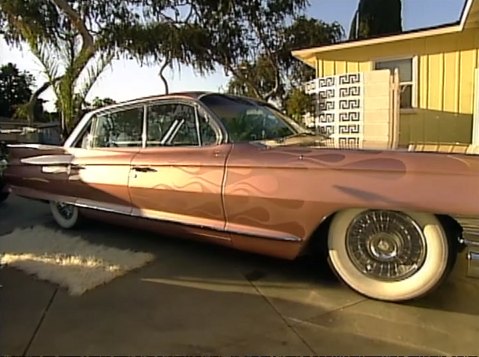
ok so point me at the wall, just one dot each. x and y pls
(356, 109)
(446, 65)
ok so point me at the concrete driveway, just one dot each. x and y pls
(202, 299)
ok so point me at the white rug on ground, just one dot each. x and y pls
(70, 262)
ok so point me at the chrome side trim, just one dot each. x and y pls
(130, 211)
(208, 224)
(54, 160)
(285, 238)
(111, 208)
(55, 169)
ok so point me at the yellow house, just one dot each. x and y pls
(438, 76)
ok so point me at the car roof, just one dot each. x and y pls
(177, 95)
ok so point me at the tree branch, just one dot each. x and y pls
(77, 21)
(237, 73)
(29, 108)
(162, 76)
(88, 43)
(270, 57)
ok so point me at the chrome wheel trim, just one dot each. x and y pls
(386, 245)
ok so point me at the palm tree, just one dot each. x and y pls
(71, 89)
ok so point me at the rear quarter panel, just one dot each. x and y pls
(35, 177)
(287, 192)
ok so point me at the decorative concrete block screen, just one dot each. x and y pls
(339, 108)
(355, 109)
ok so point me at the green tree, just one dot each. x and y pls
(376, 17)
(71, 41)
(298, 104)
(274, 73)
(71, 36)
(101, 102)
(212, 34)
(15, 89)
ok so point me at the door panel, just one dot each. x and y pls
(182, 184)
(101, 159)
(99, 178)
(267, 194)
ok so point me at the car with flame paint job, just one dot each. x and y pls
(237, 172)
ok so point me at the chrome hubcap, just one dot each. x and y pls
(66, 210)
(386, 245)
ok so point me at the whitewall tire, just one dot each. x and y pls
(65, 215)
(389, 255)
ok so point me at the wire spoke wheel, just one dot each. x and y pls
(65, 210)
(386, 245)
(66, 215)
(389, 255)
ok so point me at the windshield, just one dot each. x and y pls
(248, 120)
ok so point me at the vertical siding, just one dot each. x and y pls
(352, 67)
(365, 66)
(445, 82)
(329, 68)
(451, 85)
(466, 80)
(436, 80)
(341, 67)
(319, 68)
(423, 68)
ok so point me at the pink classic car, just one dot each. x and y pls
(237, 172)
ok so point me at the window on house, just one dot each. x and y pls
(406, 79)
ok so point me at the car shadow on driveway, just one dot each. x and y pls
(240, 299)
(20, 213)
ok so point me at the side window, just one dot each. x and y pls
(84, 140)
(118, 129)
(208, 134)
(175, 124)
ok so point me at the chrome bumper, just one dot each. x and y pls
(470, 238)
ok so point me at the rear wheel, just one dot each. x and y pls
(389, 255)
(66, 215)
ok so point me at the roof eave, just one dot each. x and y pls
(306, 54)
(469, 18)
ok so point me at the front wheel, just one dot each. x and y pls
(389, 255)
(65, 215)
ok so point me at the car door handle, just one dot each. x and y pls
(144, 169)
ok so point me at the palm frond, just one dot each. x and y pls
(92, 74)
(45, 55)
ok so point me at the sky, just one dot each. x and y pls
(127, 79)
